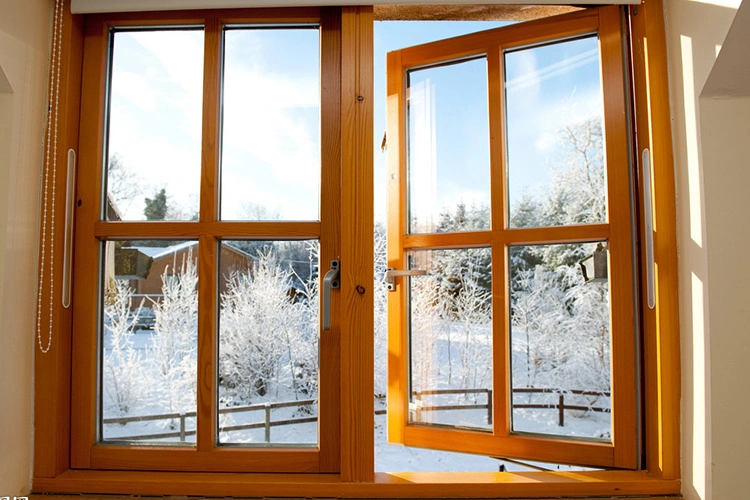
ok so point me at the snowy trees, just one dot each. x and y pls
(380, 327)
(173, 350)
(121, 361)
(269, 339)
(559, 324)
(451, 342)
(268, 342)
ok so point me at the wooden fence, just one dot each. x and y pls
(560, 405)
(419, 408)
(184, 432)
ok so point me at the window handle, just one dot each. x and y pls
(391, 275)
(331, 280)
(69, 217)
(649, 229)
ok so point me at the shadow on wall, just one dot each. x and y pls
(695, 33)
(5, 87)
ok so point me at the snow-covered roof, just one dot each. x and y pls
(159, 252)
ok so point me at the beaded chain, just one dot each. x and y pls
(51, 157)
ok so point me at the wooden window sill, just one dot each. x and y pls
(386, 485)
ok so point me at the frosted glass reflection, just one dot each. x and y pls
(268, 343)
(556, 164)
(154, 141)
(450, 338)
(448, 148)
(560, 344)
(270, 163)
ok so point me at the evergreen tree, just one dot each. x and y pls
(156, 207)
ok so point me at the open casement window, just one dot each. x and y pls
(198, 332)
(509, 183)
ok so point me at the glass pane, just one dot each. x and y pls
(450, 340)
(560, 341)
(270, 160)
(448, 148)
(556, 166)
(268, 347)
(148, 344)
(154, 140)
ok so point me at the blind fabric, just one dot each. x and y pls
(94, 6)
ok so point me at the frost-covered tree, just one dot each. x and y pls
(578, 192)
(381, 311)
(473, 325)
(427, 323)
(452, 265)
(561, 325)
(269, 340)
(450, 322)
(173, 350)
(122, 362)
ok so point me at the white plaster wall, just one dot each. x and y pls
(24, 48)
(695, 33)
(725, 134)
(708, 242)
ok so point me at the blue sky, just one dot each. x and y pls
(271, 151)
(548, 88)
(271, 114)
(394, 35)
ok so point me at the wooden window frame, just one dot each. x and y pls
(87, 452)
(605, 24)
(54, 473)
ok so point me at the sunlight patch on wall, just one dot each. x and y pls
(693, 153)
(701, 449)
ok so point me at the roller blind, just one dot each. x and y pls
(93, 6)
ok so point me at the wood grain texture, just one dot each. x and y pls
(502, 398)
(501, 345)
(198, 16)
(548, 449)
(208, 342)
(519, 35)
(52, 370)
(86, 261)
(329, 399)
(395, 485)
(210, 129)
(661, 333)
(222, 230)
(224, 459)
(207, 376)
(398, 386)
(521, 236)
(357, 405)
(624, 327)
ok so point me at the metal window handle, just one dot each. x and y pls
(649, 229)
(69, 217)
(330, 280)
(391, 274)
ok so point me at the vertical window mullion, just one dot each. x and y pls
(498, 204)
(208, 259)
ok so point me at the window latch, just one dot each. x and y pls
(391, 275)
(330, 280)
